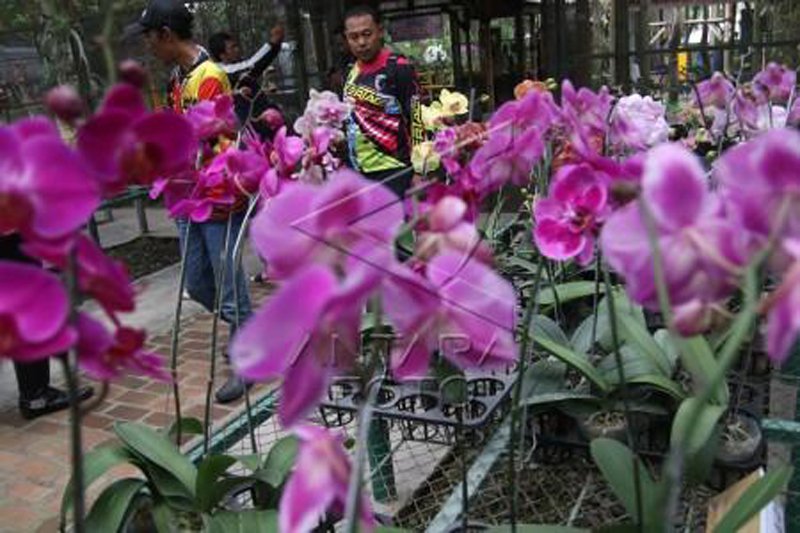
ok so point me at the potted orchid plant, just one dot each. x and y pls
(685, 240)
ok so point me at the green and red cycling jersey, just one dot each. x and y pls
(386, 119)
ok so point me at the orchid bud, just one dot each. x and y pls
(65, 103)
(133, 73)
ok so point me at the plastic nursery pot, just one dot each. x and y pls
(740, 438)
(608, 424)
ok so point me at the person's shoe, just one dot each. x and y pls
(231, 390)
(50, 401)
(259, 278)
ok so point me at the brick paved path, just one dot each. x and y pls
(34, 456)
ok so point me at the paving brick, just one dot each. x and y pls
(23, 517)
(132, 382)
(138, 398)
(29, 492)
(39, 470)
(127, 413)
(45, 427)
(98, 421)
(159, 420)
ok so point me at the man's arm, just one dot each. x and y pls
(263, 58)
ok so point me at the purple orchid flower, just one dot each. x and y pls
(213, 118)
(702, 252)
(778, 80)
(307, 223)
(756, 179)
(107, 357)
(33, 313)
(231, 176)
(570, 218)
(126, 145)
(585, 109)
(463, 309)
(319, 483)
(45, 191)
(506, 158)
(307, 331)
(783, 308)
(716, 92)
(638, 123)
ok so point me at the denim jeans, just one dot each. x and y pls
(203, 261)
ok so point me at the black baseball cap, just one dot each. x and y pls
(171, 14)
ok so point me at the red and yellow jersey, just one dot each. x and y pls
(203, 81)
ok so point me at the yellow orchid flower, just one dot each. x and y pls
(432, 116)
(424, 158)
(453, 103)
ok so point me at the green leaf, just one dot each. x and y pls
(756, 497)
(664, 340)
(568, 291)
(279, 461)
(633, 365)
(208, 473)
(659, 382)
(699, 361)
(524, 264)
(538, 528)
(544, 326)
(582, 336)
(243, 522)
(252, 462)
(544, 377)
(166, 486)
(156, 447)
(694, 438)
(114, 505)
(95, 463)
(189, 426)
(637, 337)
(615, 461)
(164, 518)
(575, 360)
(552, 398)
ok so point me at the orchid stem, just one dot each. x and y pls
(70, 363)
(176, 329)
(237, 263)
(531, 311)
(223, 263)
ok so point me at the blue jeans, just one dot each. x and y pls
(203, 261)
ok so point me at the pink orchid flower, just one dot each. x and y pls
(106, 357)
(306, 331)
(446, 227)
(570, 218)
(759, 180)
(307, 223)
(231, 175)
(212, 118)
(716, 92)
(638, 123)
(778, 80)
(319, 483)
(126, 145)
(702, 252)
(463, 309)
(34, 309)
(506, 158)
(783, 308)
(585, 109)
(45, 188)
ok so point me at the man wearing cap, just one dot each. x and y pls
(166, 26)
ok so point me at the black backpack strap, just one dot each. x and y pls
(391, 73)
